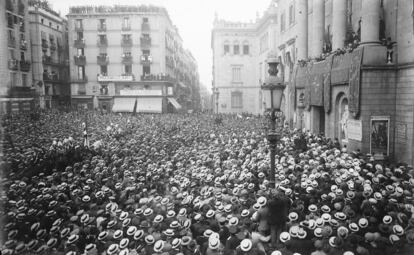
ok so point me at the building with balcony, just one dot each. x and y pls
(348, 67)
(49, 43)
(16, 89)
(119, 61)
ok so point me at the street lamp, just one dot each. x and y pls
(273, 88)
(217, 93)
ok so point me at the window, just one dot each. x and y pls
(245, 49)
(50, 24)
(43, 35)
(24, 80)
(144, 19)
(282, 22)
(13, 79)
(264, 45)
(236, 99)
(80, 52)
(146, 70)
(291, 14)
(57, 27)
(126, 22)
(102, 22)
(42, 21)
(80, 35)
(128, 69)
(236, 74)
(236, 49)
(104, 70)
(22, 57)
(226, 49)
(78, 23)
(145, 52)
(81, 72)
(102, 39)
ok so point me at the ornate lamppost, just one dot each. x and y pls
(217, 93)
(273, 88)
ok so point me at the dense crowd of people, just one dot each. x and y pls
(185, 184)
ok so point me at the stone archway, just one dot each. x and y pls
(341, 118)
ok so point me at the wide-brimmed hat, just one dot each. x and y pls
(112, 249)
(149, 239)
(102, 235)
(73, 238)
(246, 245)
(138, 234)
(123, 243)
(213, 243)
(284, 237)
(159, 246)
(176, 243)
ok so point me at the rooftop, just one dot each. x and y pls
(89, 9)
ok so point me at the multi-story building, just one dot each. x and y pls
(16, 89)
(353, 73)
(205, 99)
(239, 67)
(348, 67)
(129, 58)
(50, 60)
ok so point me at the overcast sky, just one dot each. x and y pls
(194, 19)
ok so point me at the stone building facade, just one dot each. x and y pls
(129, 58)
(49, 44)
(348, 66)
(353, 74)
(16, 90)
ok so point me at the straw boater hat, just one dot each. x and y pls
(159, 246)
(246, 245)
(213, 243)
(149, 239)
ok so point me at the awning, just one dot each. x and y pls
(124, 104)
(174, 103)
(149, 104)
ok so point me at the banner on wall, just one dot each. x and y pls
(355, 81)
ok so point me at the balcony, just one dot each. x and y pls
(101, 27)
(53, 78)
(145, 42)
(23, 44)
(145, 26)
(25, 65)
(13, 64)
(11, 42)
(102, 60)
(45, 44)
(79, 43)
(102, 42)
(146, 60)
(53, 46)
(80, 79)
(16, 91)
(126, 59)
(80, 60)
(79, 28)
(126, 27)
(126, 42)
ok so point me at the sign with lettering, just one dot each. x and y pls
(401, 133)
(354, 129)
(137, 92)
(115, 78)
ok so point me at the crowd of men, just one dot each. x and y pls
(184, 184)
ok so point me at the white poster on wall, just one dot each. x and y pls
(354, 129)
